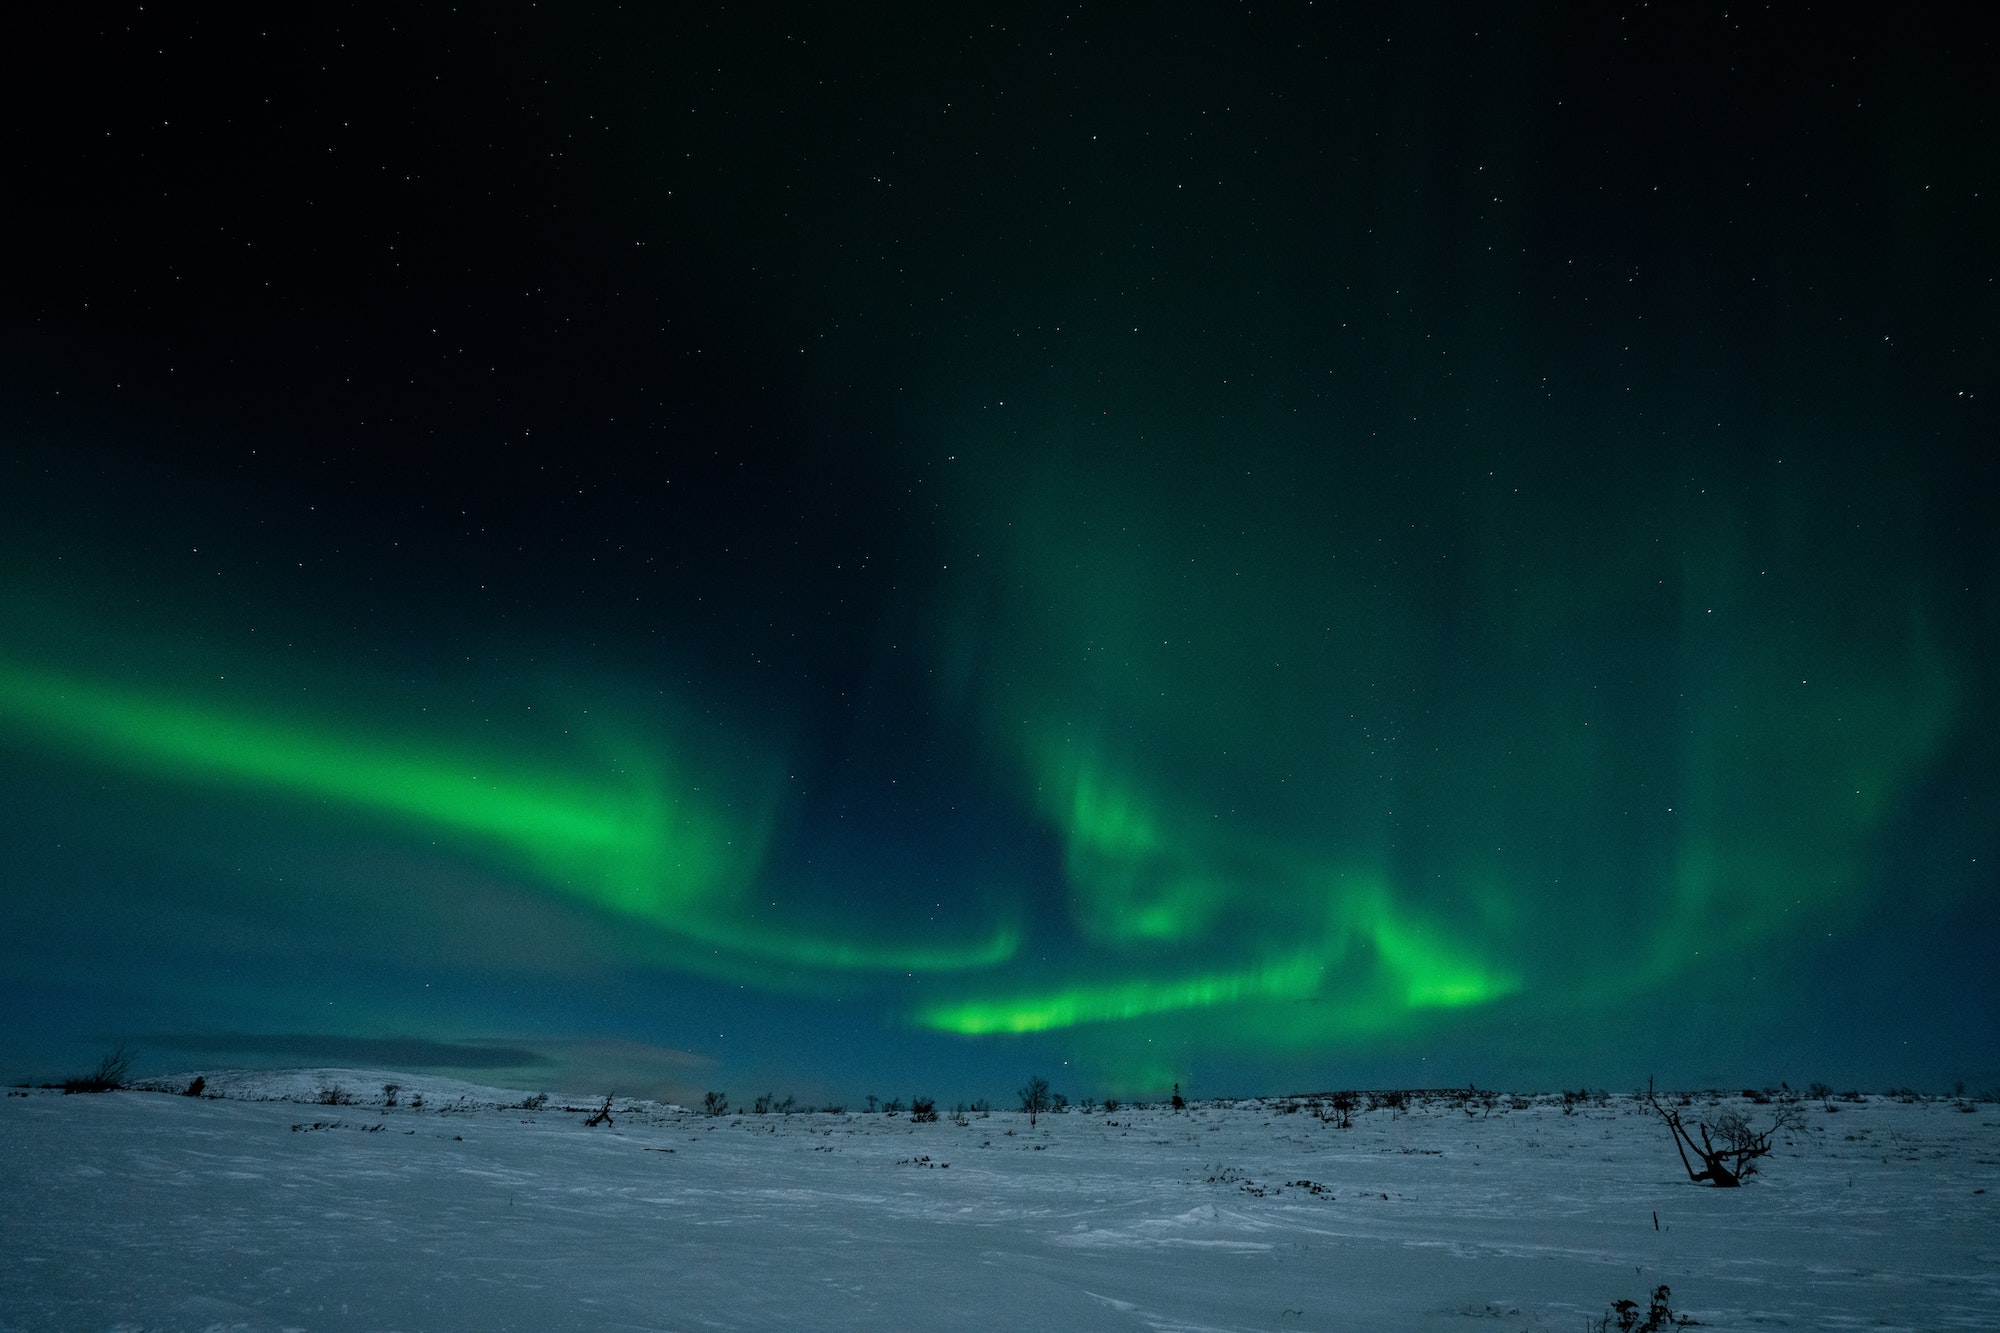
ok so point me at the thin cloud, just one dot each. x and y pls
(328, 1047)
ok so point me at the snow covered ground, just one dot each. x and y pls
(136, 1210)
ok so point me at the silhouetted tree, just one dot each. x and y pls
(1034, 1095)
(1726, 1162)
(715, 1103)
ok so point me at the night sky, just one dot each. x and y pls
(853, 550)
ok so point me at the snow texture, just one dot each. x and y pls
(266, 1209)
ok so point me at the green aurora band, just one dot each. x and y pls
(653, 847)
(1395, 769)
(1325, 781)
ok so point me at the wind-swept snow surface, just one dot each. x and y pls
(139, 1210)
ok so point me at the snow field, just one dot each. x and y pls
(137, 1210)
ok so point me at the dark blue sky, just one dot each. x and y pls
(1262, 548)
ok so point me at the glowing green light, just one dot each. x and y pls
(1072, 1005)
(1131, 881)
(1368, 959)
(651, 846)
(1566, 750)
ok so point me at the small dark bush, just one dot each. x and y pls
(334, 1095)
(1180, 1102)
(389, 1091)
(894, 1106)
(1110, 1105)
(109, 1076)
(1625, 1317)
(923, 1110)
(714, 1103)
(197, 1086)
(535, 1102)
(762, 1106)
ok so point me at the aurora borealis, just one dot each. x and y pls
(1254, 549)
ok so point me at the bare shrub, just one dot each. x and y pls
(333, 1095)
(535, 1102)
(1625, 1317)
(714, 1103)
(602, 1115)
(196, 1087)
(1034, 1095)
(1730, 1149)
(109, 1076)
(923, 1110)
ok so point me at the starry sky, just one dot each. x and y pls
(1262, 546)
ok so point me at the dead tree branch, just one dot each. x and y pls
(1729, 1151)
